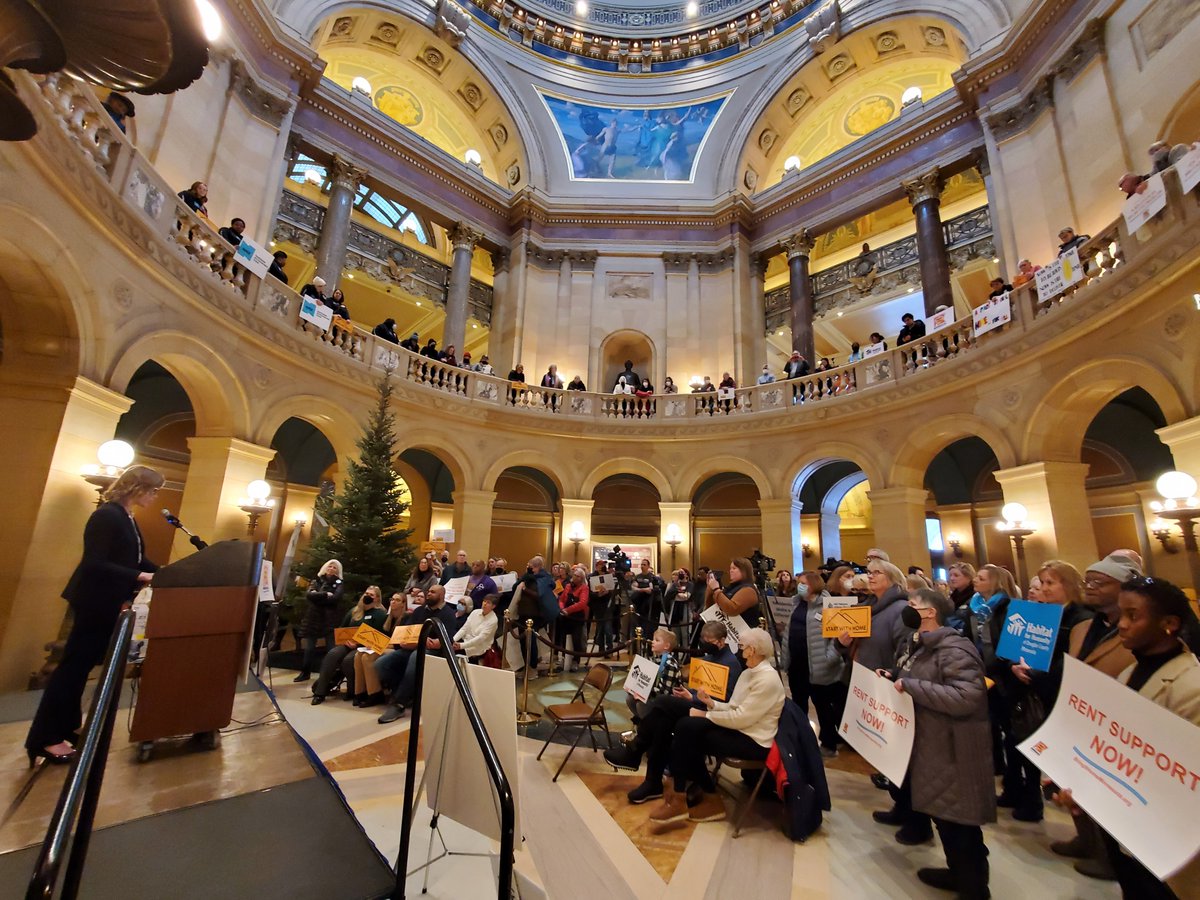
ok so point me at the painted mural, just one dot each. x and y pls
(624, 143)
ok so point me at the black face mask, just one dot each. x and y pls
(709, 648)
(910, 617)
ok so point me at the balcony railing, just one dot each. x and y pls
(272, 308)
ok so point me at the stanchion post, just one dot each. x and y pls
(550, 668)
(504, 640)
(525, 717)
(637, 641)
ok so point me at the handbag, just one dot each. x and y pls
(1026, 715)
(491, 657)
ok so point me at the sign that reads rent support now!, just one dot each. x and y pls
(1131, 765)
(878, 722)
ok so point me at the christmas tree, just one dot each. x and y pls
(364, 517)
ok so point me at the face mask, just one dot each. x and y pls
(910, 617)
(708, 647)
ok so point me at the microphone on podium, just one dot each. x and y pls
(195, 540)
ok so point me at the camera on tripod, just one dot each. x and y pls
(763, 567)
(620, 560)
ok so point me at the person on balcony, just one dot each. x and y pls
(450, 356)
(577, 384)
(766, 377)
(727, 384)
(1069, 240)
(877, 339)
(645, 394)
(911, 330)
(484, 366)
(669, 386)
(316, 290)
(233, 232)
(278, 261)
(516, 376)
(1026, 271)
(196, 197)
(430, 349)
(631, 377)
(412, 343)
(387, 330)
(552, 381)
(337, 303)
(119, 108)
(999, 288)
(855, 353)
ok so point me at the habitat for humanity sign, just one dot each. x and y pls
(1030, 630)
(1131, 765)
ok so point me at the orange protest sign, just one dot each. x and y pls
(406, 635)
(368, 637)
(855, 619)
(710, 677)
(341, 635)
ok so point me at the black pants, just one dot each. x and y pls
(695, 738)
(531, 658)
(339, 659)
(60, 715)
(799, 685)
(829, 700)
(966, 857)
(310, 650)
(1137, 882)
(575, 629)
(913, 821)
(655, 731)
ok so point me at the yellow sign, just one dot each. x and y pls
(341, 635)
(855, 619)
(406, 635)
(710, 677)
(368, 637)
(432, 547)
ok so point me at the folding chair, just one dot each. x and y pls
(581, 714)
(744, 765)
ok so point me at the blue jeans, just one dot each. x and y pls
(391, 666)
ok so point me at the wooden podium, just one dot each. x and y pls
(198, 637)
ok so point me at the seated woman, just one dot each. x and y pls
(369, 609)
(479, 631)
(366, 687)
(423, 576)
(744, 727)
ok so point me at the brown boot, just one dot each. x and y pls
(709, 809)
(672, 809)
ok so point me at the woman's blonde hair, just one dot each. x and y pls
(331, 564)
(133, 481)
(815, 583)
(1068, 575)
(915, 582)
(1002, 579)
(966, 568)
(360, 609)
(893, 573)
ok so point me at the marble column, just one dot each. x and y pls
(344, 181)
(1054, 496)
(472, 523)
(219, 469)
(800, 292)
(925, 195)
(463, 240)
(503, 324)
(898, 515)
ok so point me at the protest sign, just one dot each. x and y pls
(939, 320)
(456, 589)
(724, 393)
(781, 608)
(1130, 764)
(641, 677)
(710, 677)
(505, 582)
(840, 602)
(878, 723)
(1141, 207)
(608, 582)
(266, 592)
(445, 535)
(406, 635)
(341, 635)
(1188, 170)
(993, 314)
(1054, 278)
(1030, 630)
(255, 258)
(855, 619)
(734, 625)
(313, 312)
(368, 637)
(872, 350)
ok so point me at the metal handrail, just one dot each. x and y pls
(491, 760)
(76, 808)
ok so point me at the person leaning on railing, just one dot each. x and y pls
(113, 568)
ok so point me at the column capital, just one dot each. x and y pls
(485, 498)
(1181, 432)
(897, 495)
(780, 505)
(1047, 472)
(927, 186)
(578, 505)
(345, 174)
(799, 244)
(501, 260)
(231, 447)
(463, 237)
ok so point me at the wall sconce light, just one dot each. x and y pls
(257, 501)
(954, 542)
(577, 536)
(673, 539)
(1161, 529)
(806, 547)
(113, 458)
(473, 158)
(300, 520)
(360, 85)
(1181, 506)
(1017, 527)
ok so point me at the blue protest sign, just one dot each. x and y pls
(1030, 630)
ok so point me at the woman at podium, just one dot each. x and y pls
(113, 568)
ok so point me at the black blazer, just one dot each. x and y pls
(107, 575)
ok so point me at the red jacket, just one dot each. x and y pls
(573, 601)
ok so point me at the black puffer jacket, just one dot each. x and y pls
(324, 606)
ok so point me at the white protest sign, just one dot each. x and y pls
(939, 320)
(782, 608)
(1131, 765)
(608, 582)
(315, 313)
(456, 588)
(878, 723)
(734, 625)
(640, 680)
(1188, 170)
(1054, 278)
(840, 602)
(445, 535)
(266, 593)
(1143, 206)
(872, 350)
(505, 582)
(724, 393)
(255, 258)
(993, 314)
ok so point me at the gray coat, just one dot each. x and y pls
(889, 636)
(951, 766)
(825, 663)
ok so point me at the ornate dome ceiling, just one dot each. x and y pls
(642, 18)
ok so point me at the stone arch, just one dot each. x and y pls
(532, 459)
(923, 444)
(816, 457)
(1058, 423)
(618, 346)
(434, 442)
(627, 465)
(694, 476)
(334, 421)
(217, 394)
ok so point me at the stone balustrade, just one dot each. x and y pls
(274, 304)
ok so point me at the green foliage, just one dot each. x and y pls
(364, 518)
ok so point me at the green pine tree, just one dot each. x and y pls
(364, 518)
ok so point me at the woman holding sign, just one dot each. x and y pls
(815, 667)
(369, 610)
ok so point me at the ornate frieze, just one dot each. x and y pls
(260, 101)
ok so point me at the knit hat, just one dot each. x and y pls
(319, 281)
(1118, 567)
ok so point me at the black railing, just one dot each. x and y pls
(76, 808)
(490, 759)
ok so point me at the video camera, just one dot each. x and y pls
(763, 567)
(621, 562)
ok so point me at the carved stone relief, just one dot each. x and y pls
(434, 58)
(824, 27)
(623, 286)
(513, 175)
(888, 42)
(839, 66)
(499, 135)
(766, 140)
(750, 179)
(343, 28)
(934, 36)
(472, 95)
(387, 34)
(797, 100)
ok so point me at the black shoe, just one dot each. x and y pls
(303, 676)
(910, 837)
(1027, 813)
(317, 700)
(1006, 801)
(880, 781)
(346, 698)
(372, 700)
(937, 878)
(645, 791)
(888, 817)
(624, 757)
(391, 714)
